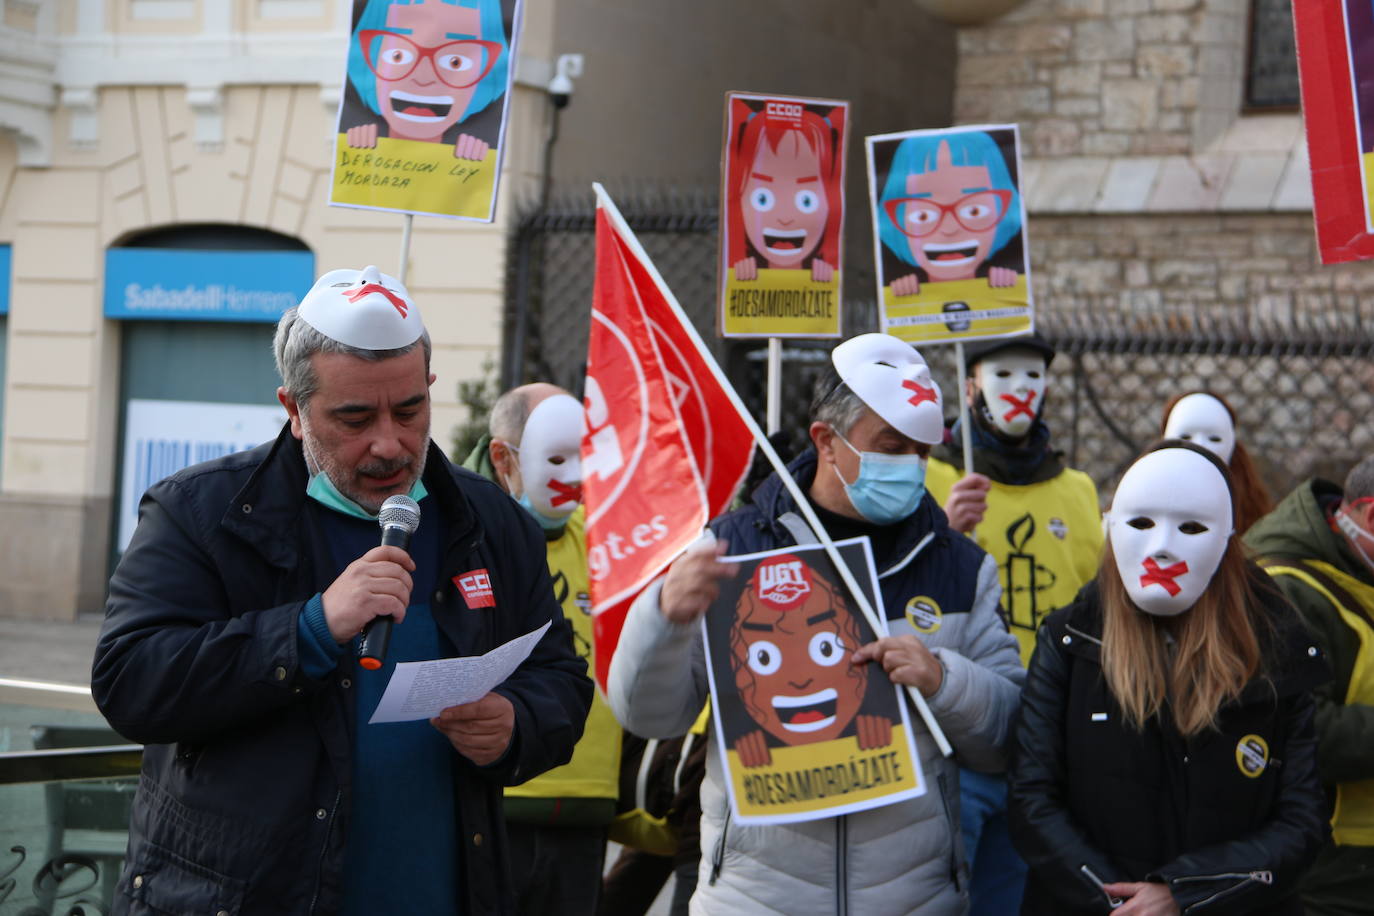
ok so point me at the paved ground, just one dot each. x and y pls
(61, 653)
(47, 651)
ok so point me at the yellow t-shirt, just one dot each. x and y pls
(594, 771)
(1046, 538)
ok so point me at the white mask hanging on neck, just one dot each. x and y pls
(1355, 533)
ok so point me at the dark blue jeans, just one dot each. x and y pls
(998, 874)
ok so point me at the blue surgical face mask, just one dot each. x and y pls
(551, 525)
(322, 490)
(888, 488)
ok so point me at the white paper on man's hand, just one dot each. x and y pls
(422, 690)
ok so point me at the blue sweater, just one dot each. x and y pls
(402, 846)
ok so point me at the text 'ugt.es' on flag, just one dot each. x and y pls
(665, 447)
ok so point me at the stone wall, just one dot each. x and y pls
(1107, 77)
(1257, 268)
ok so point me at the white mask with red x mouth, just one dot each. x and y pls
(1169, 525)
(1203, 420)
(364, 308)
(1013, 384)
(550, 456)
(892, 378)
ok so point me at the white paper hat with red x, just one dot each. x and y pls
(892, 378)
(362, 308)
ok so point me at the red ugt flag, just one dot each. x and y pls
(665, 448)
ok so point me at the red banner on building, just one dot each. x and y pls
(666, 448)
(1336, 66)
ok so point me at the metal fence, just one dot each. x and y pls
(1302, 388)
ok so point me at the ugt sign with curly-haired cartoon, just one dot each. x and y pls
(803, 732)
(782, 214)
(949, 226)
(423, 114)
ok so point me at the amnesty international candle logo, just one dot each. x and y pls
(782, 213)
(804, 733)
(422, 118)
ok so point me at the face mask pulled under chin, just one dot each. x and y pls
(888, 488)
(548, 524)
(1356, 535)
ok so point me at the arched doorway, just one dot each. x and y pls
(198, 306)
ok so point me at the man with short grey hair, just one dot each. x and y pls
(873, 421)
(231, 647)
(1318, 544)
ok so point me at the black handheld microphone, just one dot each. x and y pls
(399, 518)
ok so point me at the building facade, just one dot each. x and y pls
(158, 127)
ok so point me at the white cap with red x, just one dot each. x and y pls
(362, 308)
(892, 378)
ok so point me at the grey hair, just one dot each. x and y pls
(508, 416)
(835, 404)
(296, 340)
(1359, 483)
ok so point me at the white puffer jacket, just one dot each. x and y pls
(904, 858)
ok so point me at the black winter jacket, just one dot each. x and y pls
(245, 791)
(1228, 819)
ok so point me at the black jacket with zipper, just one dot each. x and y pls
(243, 802)
(1227, 819)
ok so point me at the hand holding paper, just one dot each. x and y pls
(480, 731)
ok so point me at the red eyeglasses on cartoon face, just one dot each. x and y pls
(427, 67)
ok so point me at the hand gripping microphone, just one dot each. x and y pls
(399, 518)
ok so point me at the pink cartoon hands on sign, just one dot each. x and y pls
(910, 285)
(870, 732)
(364, 136)
(748, 269)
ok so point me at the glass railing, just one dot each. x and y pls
(66, 785)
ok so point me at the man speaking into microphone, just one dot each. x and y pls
(232, 645)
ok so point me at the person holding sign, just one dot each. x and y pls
(230, 647)
(1041, 522)
(874, 416)
(1165, 756)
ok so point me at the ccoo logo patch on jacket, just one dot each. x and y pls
(1252, 756)
(923, 613)
(476, 588)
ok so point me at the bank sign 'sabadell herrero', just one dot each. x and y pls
(422, 120)
(804, 734)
